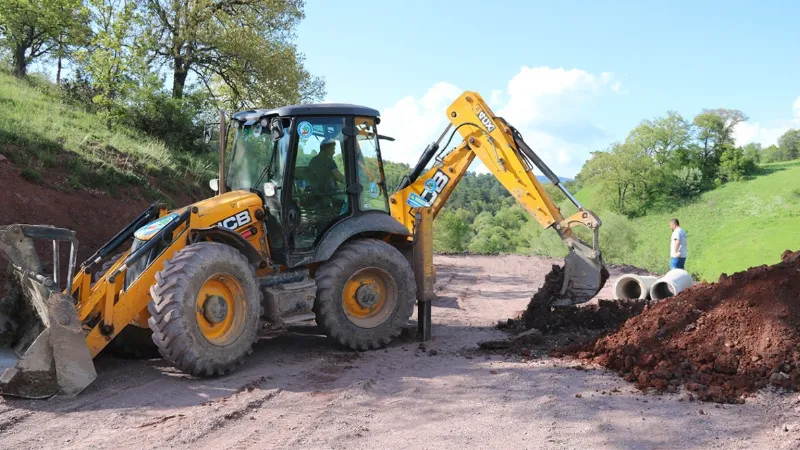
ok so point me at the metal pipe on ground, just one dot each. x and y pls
(671, 284)
(631, 286)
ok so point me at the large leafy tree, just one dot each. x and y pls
(662, 136)
(241, 50)
(715, 135)
(112, 59)
(32, 29)
(789, 143)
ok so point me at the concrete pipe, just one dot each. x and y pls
(671, 284)
(630, 286)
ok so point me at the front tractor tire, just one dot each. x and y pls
(206, 309)
(365, 294)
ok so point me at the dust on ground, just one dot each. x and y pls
(301, 392)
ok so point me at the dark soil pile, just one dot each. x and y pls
(721, 340)
(557, 329)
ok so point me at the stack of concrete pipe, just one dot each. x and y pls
(631, 286)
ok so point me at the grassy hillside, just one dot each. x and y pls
(734, 227)
(60, 144)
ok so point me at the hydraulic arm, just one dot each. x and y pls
(503, 151)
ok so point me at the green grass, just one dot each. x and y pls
(41, 131)
(731, 228)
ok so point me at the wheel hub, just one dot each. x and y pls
(367, 296)
(215, 309)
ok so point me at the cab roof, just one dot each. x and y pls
(319, 109)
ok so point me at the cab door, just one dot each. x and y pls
(317, 195)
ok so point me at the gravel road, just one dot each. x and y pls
(301, 392)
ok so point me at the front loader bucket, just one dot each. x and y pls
(43, 351)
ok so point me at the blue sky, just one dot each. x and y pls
(573, 76)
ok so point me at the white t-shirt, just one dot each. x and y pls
(679, 235)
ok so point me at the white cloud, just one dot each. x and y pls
(546, 104)
(747, 132)
(796, 109)
(414, 123)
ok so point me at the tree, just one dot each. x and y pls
(31, 29)
(241, 50)
(715, 135)
(660, 137)
(735, 165)
(451, 233)
(110, 59)
(626, 175)
(789, 143)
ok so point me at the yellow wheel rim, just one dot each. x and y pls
(221, 309)
(369, 297)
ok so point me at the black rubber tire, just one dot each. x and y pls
(133, 343)
(332, 277)
(173, 309)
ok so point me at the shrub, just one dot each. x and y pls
(685, 182)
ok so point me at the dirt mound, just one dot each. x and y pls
(721, 340)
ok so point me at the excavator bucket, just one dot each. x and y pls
(43, 351)
(584, 277)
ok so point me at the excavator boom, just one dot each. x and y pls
(503, 151)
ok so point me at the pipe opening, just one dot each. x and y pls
(629, 288)
(661, 290)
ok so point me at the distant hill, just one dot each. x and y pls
(544, 179)
(731, 228)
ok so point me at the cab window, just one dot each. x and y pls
(373, 195)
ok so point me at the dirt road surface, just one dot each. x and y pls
(301, 392)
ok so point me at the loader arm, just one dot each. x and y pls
(503, 151)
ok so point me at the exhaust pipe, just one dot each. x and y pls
(675, 281)
(631, 286)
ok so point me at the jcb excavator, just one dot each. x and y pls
(302, 227)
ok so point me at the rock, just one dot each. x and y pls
(493, 372)
(433, 352)
(3, 159)
(755, 358)
(689, 328)
(526, 352)
(532, 335)
(726, 364)
(701, 412)
(779, 377)
(495, 345)
(578, 396)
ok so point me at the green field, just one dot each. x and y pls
(731, 228)
(41, 131)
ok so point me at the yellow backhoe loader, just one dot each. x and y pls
(302, 226)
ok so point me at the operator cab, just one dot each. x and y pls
(315, 166)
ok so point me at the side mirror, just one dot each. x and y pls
(214, 184)
(276, 128)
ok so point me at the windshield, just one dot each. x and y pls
(253, 149)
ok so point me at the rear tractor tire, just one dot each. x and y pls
(206, 309)
(365, 294)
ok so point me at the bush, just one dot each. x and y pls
(175, 121)
(685, 182)
(618, 238)
(450, 233)
(734, 165)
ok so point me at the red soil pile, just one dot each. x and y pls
(721, 341)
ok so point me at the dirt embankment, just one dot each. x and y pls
(96, 217)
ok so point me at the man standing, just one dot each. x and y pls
(677, 246)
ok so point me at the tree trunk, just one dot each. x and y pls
(20, 65)
(179, 78)
(58, 70)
